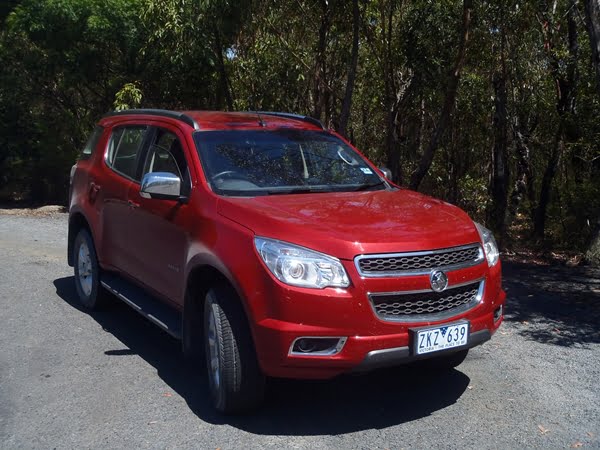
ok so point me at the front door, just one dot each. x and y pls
(160, 241)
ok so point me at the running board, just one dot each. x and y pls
(167, 318)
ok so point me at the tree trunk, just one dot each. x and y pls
(566, 90)
(321, 64)
(524, 178)
(500, 168)
(393, 156)
(347, 103)
(592, 255)
(449, 101)
(592, 12)
(539, 224)
(224, 78)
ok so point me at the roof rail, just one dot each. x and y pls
(293, 117)
(157, 112)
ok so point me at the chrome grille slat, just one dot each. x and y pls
(428, 305)
(418, 262)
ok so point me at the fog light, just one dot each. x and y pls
(498, 313)
(317, 345)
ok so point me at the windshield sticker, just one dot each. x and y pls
(366, 170)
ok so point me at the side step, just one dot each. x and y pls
(154, 310)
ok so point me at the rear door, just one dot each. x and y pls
(122, 158)
(159, 244)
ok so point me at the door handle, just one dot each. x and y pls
(94, 189)
(132, 204)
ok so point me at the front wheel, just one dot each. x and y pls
(236, 382)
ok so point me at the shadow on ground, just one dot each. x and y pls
(347, 404)
(554, 304)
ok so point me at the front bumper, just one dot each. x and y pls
(361, 352)
(371, 342)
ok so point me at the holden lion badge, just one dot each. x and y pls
(438, 280)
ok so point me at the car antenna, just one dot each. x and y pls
(260, 121)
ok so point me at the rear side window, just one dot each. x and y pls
(92, 142)
(123, 149)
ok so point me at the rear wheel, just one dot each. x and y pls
(236, 382)
(87, 272)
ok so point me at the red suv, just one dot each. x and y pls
(272, 246)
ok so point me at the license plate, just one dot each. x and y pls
(441, 338)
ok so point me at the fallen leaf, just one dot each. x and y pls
(542, 429)
(576, 444)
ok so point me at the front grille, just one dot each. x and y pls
(419, 306)
(419, 262)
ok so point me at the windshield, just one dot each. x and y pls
(283, 161)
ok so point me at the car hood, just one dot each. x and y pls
(346, 224)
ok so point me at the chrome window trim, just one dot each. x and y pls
(337, 349)
(418, 318)
(411, 272)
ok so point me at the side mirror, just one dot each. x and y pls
(387, 172)
(161, 185)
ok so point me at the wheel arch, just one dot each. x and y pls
(204, 273)
(77, 221)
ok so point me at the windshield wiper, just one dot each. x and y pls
(299, 190)
(364, 187)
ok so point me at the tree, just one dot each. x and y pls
(592, 12)
(347, 103)
(451, 93)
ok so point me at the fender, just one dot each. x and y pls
(209, 259)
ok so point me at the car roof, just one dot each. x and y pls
(220, 120)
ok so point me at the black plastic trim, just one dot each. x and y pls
(390, 357)
(157, 112)
(293, 117)
(161, 314)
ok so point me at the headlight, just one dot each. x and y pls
(489, 245)
(300, 266)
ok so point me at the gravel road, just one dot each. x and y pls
(69, 379)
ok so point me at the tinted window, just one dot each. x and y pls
(166, 155)
(282, 161)
(92, 142)
(123, 150)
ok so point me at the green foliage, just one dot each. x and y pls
(64, 63)
(128, 97)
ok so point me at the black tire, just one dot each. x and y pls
(90, 292)
(235, 380)
(446, 362)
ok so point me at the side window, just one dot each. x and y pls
(92, 142)
(166, 155)
(123, 149)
